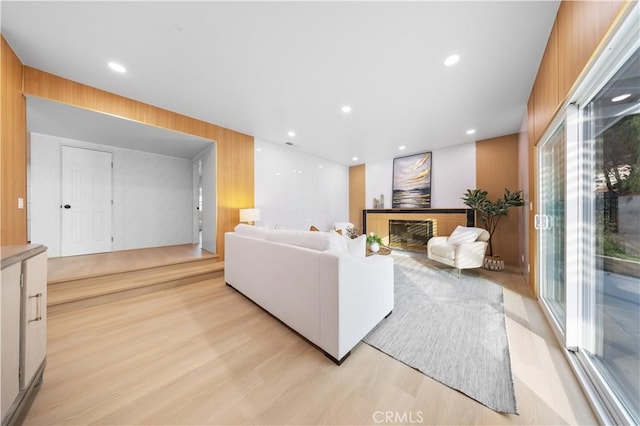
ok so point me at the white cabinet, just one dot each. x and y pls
(23, 321)
(10, 300)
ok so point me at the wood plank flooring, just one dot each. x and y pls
(92, 265)
(203, 354)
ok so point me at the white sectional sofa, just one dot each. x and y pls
(311, 282)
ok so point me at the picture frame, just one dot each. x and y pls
(411, 188)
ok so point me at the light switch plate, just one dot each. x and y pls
(21, 203)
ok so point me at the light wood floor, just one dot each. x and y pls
(91, 265)
(203, 354)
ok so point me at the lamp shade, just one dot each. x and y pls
(249, 215)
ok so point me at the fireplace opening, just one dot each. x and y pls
(410, 234)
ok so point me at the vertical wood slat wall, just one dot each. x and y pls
(357, 194)
(497, 169)
(13, 149)
(234, 150)
(580, 30)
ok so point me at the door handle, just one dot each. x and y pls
(67, 206)
(38, 298)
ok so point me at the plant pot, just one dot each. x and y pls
(374, 247)
(493, 263)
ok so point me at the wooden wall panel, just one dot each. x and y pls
(545, 89)
(533, 197)
(234, 151)
(497, 169)
(581, 27)
(357, 194)
(13, 149)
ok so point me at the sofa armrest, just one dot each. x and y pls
(355, 295)
(433, 241)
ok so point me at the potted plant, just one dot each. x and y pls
(374, 242)
(491, 212)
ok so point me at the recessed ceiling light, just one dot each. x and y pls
(621, 97)
(117, 67)
(320, 166)
(402, 148)
(355, 158)
(471, 131)
(291, 134)
(258, 149)
(346, 109)
(451, 60)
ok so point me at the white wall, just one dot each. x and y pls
(152, 196)
(295, 190)
(453, 171)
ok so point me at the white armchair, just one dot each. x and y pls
(463, 249)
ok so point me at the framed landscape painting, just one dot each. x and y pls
(412, 181)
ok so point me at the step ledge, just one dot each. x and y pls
(98, 299)
(213, 258)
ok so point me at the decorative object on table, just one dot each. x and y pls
(412, 181)
(383, 251)
(352, 232)
(347, 229)
(429, 304)
(382, 201)
(490, 214)
(376, 203)
(374, 242)
(250, 216)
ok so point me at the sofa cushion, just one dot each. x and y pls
(463, 234)
(251, 231)
(448, 251)
(313, 240)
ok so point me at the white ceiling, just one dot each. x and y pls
(53, 118)
(267, 68)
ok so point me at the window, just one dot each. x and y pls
(589, 226)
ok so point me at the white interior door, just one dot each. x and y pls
(86, 201)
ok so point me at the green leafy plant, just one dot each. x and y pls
(491, 212)
(372, 237)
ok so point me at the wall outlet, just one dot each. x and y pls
(21, 203)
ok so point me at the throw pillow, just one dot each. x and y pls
(462, 235)
(358, 246)
(337, 242)
(314, 229)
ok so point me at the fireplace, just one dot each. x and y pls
(410, 234)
